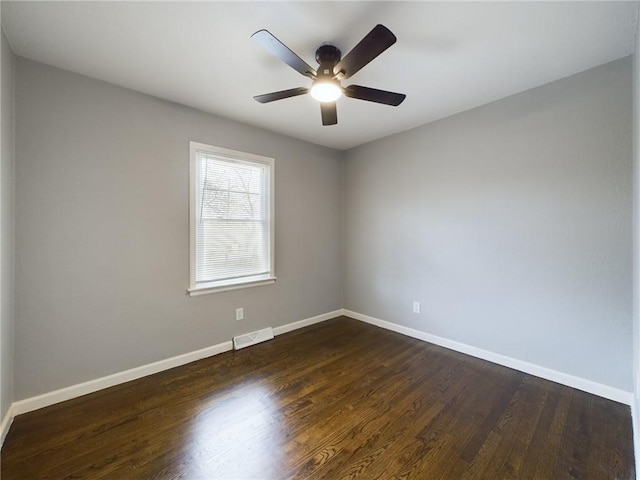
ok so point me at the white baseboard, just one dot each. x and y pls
(306, 322)
(636, 431)
(579, 383)
(73, 391)
(6, 424)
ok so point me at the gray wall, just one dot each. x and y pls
(6, 225)
(511, 223)
(636, 231)
(102, 231)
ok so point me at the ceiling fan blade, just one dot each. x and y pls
(374, 95)
(329, 113)
(271, 97)
(279, 50)
(372, 45)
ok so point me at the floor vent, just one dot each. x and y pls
(252, 338)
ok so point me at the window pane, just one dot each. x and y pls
(231, 249)
(232, 218)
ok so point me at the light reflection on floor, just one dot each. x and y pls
(237, 434)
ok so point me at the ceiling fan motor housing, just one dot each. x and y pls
(328, 57)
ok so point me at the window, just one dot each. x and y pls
(231, 216)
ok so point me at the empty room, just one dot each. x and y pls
(319, 240)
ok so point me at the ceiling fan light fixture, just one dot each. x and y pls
(326, 91)
(332, 69)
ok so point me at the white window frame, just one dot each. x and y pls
(232, 284)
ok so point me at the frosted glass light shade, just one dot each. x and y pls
(325, 91)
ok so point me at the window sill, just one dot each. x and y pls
(215, 287)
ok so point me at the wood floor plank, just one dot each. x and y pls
(337, 400)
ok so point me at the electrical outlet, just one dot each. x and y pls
(416, 307)
(239, 313)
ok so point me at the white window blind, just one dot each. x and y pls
(232, 224)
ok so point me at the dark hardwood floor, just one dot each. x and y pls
(338, 400)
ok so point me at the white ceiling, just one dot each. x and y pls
(449, 56)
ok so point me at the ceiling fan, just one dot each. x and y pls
(326, 87)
